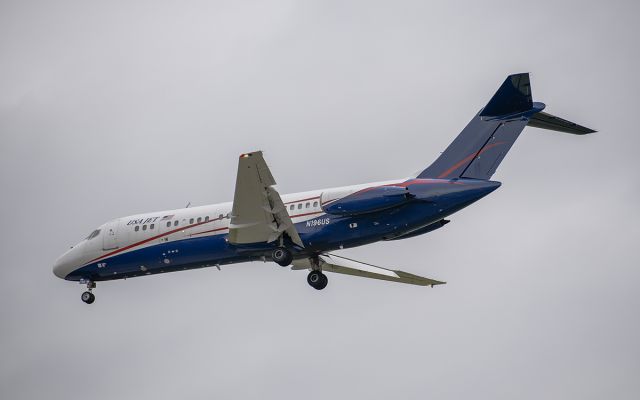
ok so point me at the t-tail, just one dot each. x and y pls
(482, 145)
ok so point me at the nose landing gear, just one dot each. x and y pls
(87, 296)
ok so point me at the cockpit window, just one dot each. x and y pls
(93, 234)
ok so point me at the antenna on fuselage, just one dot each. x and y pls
(188, 204)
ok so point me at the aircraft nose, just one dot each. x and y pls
(59, 268)
(64, 265)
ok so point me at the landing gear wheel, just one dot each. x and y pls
(88, 297)
(317, 280)
(282, 256)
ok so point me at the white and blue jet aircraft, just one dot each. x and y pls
(302, 229)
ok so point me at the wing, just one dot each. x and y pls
(347, 266)
(258, 214)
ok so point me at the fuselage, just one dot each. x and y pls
(197, 237)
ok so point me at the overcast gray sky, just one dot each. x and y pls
(114, 108)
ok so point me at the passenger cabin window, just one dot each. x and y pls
(137, 228)
(315, 204)
(307, 205)
(168, 224)
(93, 234)
(206, 219)
(151, 226)
(291, 207)
(191, 221)
(175, 223)
(220, 216)
(199, 219)
(300, 206)
(144, 227)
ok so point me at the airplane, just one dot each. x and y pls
(302, 230)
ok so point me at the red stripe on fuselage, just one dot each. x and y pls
(296, 201)
(114, 252)
(212, 230)
(150, 239)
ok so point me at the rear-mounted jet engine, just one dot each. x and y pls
(368, 201)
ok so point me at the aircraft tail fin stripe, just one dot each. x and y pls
(465, 161)
(483, 143)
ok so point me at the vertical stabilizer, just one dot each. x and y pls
(482, 145)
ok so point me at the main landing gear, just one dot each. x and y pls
(317, 280)
(87, 296)
(282, 256)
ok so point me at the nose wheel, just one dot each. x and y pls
(87, 296)
(317, 280)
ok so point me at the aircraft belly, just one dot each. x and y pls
(162, 257)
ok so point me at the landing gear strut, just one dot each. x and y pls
(317, 280)
(87, 296)
(282, 256)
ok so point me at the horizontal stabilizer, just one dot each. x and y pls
(347, 266)
(551, 122)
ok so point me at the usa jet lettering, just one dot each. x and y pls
(142, 221)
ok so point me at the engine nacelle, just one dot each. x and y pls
(365, 201)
